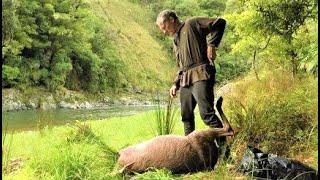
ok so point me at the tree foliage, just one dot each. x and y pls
(284, 18)
(270, 33)
(63, 43)
(48, 43)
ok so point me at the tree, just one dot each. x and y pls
(284, 18)
(251, 41)
(51, 43)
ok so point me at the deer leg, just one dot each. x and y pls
(226, 124)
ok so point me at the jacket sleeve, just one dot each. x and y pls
(176, 81)
(213, 29)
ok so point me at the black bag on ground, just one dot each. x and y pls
(261, 165)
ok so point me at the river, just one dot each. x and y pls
(25, 120)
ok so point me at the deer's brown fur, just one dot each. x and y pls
(180, 154)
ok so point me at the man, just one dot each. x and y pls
(195, 42)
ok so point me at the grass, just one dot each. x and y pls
(165, 117)
(6, 148)
(82, 150)
(146, 64)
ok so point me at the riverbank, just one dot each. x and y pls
(38, 98)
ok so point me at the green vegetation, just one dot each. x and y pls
(80, 45)
(268, 52)
(165, 117)
(101, 46)
(278, 115)
(6, 148)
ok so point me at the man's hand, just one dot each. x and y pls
(173, 91)
(211, 53)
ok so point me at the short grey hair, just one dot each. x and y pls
(166, 15)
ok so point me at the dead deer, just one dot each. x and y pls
(180, 154)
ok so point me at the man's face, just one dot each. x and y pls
(167, 27)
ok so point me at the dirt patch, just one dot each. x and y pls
(14, 165)
(305, 159)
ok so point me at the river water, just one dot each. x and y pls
(33, 119)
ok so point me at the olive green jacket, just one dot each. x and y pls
(190, 48)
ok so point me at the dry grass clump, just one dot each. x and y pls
(277, 114)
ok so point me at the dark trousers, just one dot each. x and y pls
(200, 93)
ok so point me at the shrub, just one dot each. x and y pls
(278, 113)
(9, 75)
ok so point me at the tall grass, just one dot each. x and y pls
(277, 114)
(44, 120)
(165, 117)
(81, 154)
(6, 148)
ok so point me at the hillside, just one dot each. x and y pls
(145, 62)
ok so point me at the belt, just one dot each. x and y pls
(184, 69)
